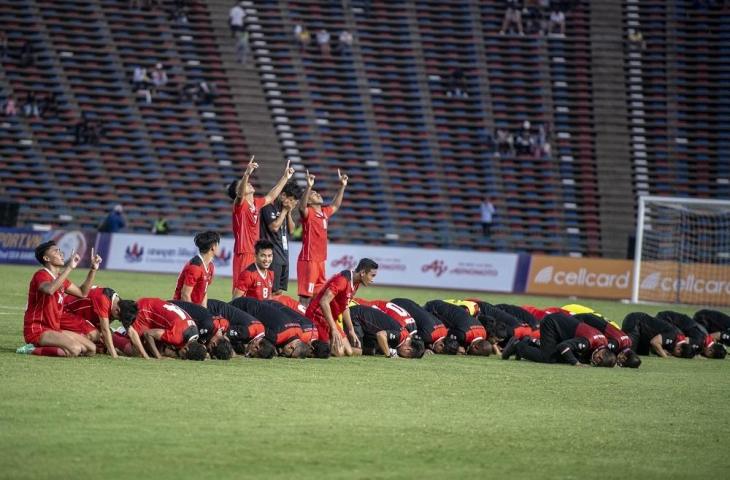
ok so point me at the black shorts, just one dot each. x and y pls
(280, 268)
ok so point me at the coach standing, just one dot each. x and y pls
(276, 225)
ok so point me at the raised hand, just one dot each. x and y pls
(251, 166)
(74, 259)
(288, 171)
(343, 178)
(310, 179)
(95, 260)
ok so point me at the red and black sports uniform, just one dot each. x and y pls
(154, 313)
(520, 314)
(695, 333)
(504, 325)
(254, 283)
(280, 240)
(311, 274)
(290, 302)
(309, 332)
(43, 311)
(280, 329)
(394, 311)
(428, 326)
(246, 231)
(462, 326)
(343, 288)
(202, 318)
(81, 315)
(618, 340)
(642, 328)
(563, 338)
(715, 322)
(194, 274)
(240, 327)
(369, 321)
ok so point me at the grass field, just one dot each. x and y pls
(440, 417)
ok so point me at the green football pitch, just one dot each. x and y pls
(439, 417)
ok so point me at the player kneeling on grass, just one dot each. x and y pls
(257, 280)
(564, 339)
(158, 320)
(716, 323)
(649, 334)
(466, 335)
(232, 326)
(97, 310)
(380, 334)
(702, 342)
(332, 301)
(197, 275)
(282, 337)
(42, 328)
(431, 330)
(217, 345)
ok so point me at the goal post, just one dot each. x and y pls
(682, 251)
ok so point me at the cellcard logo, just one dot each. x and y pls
(582, 278)
(134, 253)
(223, 258)
(346, 262)
(438, 267)
(589, 277)
(689, 284)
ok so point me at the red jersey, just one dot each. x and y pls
(595, 338)
(622, 340)
(342, 286)
(44, 309)
(314, 234)
(290, 302)
(539, 313)
(96, 305)
(396, 312)
(156, 313)
(256, 284)
(246, 227)
(194, 274)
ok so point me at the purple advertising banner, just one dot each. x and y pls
(17, 245)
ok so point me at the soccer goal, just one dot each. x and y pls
(682, 251)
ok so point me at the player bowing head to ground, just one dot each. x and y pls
(466, 335)
(246, 212)
(257, 280)
(618, 341)
(197, 274)
(429, 328)
(315, 217)
(157, 320)
(42, 328)
(233, 324)
(702, 342)
(98, 310)
(276, 226)
(649, 334)
(381, 334)
(332, 301)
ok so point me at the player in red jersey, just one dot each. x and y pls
(290, 302)
(156, 319)
(98, 309)
(48, 287)
(246, 213)
(394, 311)
(311, 274)
(257, 281)
(332, 301)
(197, 275)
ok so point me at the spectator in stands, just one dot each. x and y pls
(524, 142)
(504, 142)
(344, 46)
(302, 36)
(542, 145)
(10, 109)
(30, 106)
(487, 216)
(27, 55)
(512, 16)
(323, 40)
(557, 20)
(141, 83)
(236, 19)
(158, 76)
(114, 222)
(160, 225)
(242, 47)
(457, 84)
(205, 92)
(636, 40)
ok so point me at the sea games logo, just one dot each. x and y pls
(438, 267)
(346, 262)
(223, 259)
(134, 253)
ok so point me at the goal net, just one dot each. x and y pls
(682, 251)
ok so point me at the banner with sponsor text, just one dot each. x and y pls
(17, 245)
(582, 277)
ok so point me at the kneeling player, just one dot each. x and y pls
(159, 320)
(716, 323)
(257, 280)
(702, 342)
(379, 333)
(466, 334)
(649, 333)
(283, 333)
(233, 326)
(430, 329)
(97, 311)
(197, 275)
(618, 341)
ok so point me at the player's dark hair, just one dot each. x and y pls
(301, 351)
(267, 349)
(321, 349)
(127, 312)
(263, 245)
(686, 350)
(41, 250)
(205, 241)
(631, 359)
(223, 350)
(366, 265)
(480, 347)
(607, 359)
(417, 346)
(717, 351)
(239, 347)
(196, 351)
(232, 189)
(451, 346)
(291, 189)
